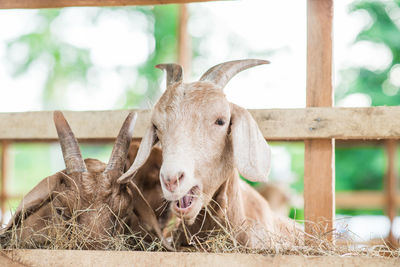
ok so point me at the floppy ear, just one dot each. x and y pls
(148, 141)
(36, 198)
(251, 152)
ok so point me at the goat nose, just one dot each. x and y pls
(171, 182)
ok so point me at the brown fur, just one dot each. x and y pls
(148, 181)
(277, 197)
(92, 200)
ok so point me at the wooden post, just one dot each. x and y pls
(319, 157)
(184, 42)
(391, 186)
(4, 177)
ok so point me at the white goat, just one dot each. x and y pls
(206, 143)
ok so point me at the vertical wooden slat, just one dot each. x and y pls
(319, 159)
(391, 186)
(4, 176)
(184, 42)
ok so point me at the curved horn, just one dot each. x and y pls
(174, 72)
(69, 145)
(222, 73)
(121, 146)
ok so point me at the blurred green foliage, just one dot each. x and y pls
(165, 34)
(363, 168)
(67, 63)
(384, 29)
(360, 168)
(296, 214)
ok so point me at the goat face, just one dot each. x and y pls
(203, 137)
(85, 194)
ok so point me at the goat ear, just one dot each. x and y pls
(148, 141)
(38, 196)
(251, 152)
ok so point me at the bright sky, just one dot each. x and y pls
(273, 30)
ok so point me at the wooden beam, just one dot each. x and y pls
(8, 4)
(362, 200)
(4, 178)
(339, 123)
(184, 42)
(15, 196)
(102, 125)
(391, 186)
(275, 124)
(319, 157)
(66, 258)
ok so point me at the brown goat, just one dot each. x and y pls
(148, 181)
(206, 142)
(278, 198)
(85, 194)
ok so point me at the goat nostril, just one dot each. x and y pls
(181, 176)
(172, 182)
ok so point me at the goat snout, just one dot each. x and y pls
(171, 182)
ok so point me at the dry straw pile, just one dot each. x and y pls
(71, 235)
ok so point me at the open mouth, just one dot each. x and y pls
(185, 203)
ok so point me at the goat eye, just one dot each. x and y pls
(155, 127)
(219, 122)
(60, 211)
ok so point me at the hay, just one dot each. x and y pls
(72, 236)
(218, 241)
(69, 234)
(318, 243)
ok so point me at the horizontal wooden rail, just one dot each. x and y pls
(362, 200)
(39, 126)
(4, 4)
(43, 257)
(275, 124)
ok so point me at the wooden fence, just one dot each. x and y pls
(318, 125)
(73, 258)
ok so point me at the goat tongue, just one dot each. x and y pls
(185, 202)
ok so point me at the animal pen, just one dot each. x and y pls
(318, 125)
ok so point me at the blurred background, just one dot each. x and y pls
(103, 58)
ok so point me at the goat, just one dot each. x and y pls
(206, 142)
(87, 193)
(277, 195)
(148, 181)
